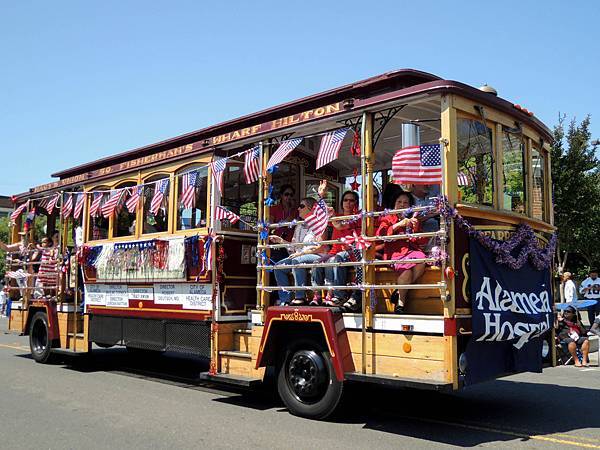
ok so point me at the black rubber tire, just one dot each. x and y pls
(39, 340)
(306, 382)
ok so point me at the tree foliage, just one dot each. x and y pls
(576, 181)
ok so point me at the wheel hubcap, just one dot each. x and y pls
(39, 337)
(307, 375)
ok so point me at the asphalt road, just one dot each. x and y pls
(115, 400)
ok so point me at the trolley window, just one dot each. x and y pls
(156, 207)
(192, 183)
(475, 162)
(513, 172)
(124, 220)
(539, 175)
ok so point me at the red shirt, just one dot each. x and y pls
(347, 231)
(278, 214)
(397, 248)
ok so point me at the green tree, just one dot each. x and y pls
(576, 181)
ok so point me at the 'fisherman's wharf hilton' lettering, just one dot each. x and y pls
(502, 300)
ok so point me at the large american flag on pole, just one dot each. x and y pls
(251, 164)
(67, 207)
(135, 193)
(95, 206)
(160, 187)
(223, 213)
(79, 205)
(316, 221)
(188, 189)
(111, 205)
(418, 165)
(217, 168)
(282, 151)
(17, 212)
(330, 146)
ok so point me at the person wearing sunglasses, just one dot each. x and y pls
(300, 254)
(285, 211)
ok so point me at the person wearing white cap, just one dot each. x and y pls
(570, 288)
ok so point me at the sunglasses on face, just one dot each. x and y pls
(302, 205)
(287, 194)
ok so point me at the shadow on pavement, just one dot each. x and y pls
(500, 410)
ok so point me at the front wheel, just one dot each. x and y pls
(307, 383)
(39, 340)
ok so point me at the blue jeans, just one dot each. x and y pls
(281, 275)
(334, 276)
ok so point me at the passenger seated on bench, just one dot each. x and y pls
(571, 333)
(337, 276)
(394, 224)
(301, 254)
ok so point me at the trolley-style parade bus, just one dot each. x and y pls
(397, 230)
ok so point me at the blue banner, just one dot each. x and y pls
(512, 311)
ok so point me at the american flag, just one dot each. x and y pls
(188, 189)
(251, 164)
(330, 146)
(316, 221)
(464, 179)
(160, 187)
(52, 203)
(111, 205)
(132, 202)
(418, 165)
(67, 207)
(282, 151)
(223, 213)
(79, 204)
(217, 168)
(17, 212)
(95, 206)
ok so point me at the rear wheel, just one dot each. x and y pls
(39, 339)
(307, 383)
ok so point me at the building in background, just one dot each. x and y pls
(6, 206)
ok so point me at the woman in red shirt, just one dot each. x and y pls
(337, 276)
(398, 250)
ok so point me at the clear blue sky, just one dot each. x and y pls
(82, 80)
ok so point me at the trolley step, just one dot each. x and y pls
(234, 380)
(236, 354)
(399, 382)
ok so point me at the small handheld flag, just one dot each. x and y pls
(316, 221)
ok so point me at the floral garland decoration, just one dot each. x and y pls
(523, 238)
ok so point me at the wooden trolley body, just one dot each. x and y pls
(241, 332)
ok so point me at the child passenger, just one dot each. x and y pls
(398, 250)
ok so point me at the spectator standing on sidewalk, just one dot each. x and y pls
(3, 300)
(590, 289)
(570, 288)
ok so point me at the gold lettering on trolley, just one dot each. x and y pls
(296, 316)
(235, 135)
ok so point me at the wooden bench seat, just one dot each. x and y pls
(419, 301)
